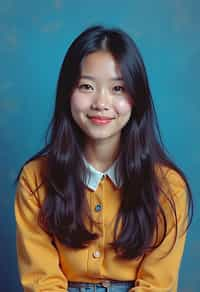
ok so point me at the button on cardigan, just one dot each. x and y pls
(46, 265)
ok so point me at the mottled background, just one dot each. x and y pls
(34, 36)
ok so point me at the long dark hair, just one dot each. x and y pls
(141, 154)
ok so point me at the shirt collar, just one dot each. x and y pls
(94, 176)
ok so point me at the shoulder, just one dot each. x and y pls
(35, 167)
(171, 181)
(33, 173)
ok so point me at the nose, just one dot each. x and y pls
(101, 100)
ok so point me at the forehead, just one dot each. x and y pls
(102, 65)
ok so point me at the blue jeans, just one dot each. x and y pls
(112, 287)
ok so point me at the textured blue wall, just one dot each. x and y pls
(34, 36)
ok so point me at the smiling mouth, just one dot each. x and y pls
(100, 120)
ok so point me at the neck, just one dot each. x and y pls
(101, 154)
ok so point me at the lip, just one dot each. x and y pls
(99, 120)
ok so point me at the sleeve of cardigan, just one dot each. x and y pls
(157, 273)
(38, 259)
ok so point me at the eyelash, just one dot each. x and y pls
(85, 87)
(122, 89)
(88, 87)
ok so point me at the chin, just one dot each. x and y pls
(101, 136)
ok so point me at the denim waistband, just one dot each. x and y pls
(104, 283)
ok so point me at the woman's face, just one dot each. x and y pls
(100, 104)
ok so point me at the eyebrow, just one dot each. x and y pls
(93, 78)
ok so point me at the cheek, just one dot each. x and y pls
(79, 102)
(123, 106)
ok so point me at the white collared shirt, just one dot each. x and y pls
(95, 176)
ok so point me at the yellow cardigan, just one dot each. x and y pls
(46, 265)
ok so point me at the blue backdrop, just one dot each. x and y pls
(34, 36)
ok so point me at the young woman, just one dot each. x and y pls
(101, 207)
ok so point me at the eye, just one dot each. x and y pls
(85, 87)
(119, 89)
